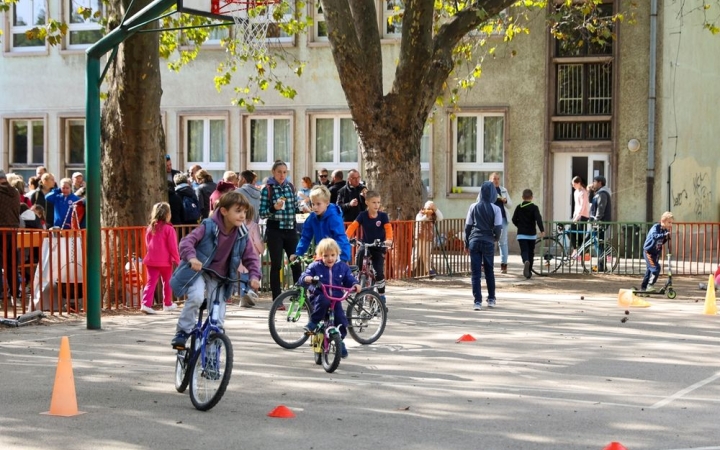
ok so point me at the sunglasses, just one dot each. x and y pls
(323, 176)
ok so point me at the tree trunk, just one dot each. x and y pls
(133, 147)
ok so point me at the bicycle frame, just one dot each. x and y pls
(366, 267)
(329, 328)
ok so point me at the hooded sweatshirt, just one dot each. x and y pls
(328, 225)
(484, 218)
(253, 195)
(601, 209)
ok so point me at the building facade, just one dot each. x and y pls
(639, 111)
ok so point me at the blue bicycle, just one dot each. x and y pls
(206, 364)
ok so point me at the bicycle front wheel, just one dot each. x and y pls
(549, 256)
(332, 354)
(600, 258)
(209, 381)
(287, 319)
(366, 316)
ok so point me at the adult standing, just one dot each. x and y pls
(351, 198)
(483, 227)
(169, 171)
(78, 181)
(581, 212)
(279, 206)
(425, 221)
(204, 187)
(47, 186)
(337, 184)
(502, 201)
(176, 205)
(251, 192)
(601, 206)
(9, 218)
(323, 179)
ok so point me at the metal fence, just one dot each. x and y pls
(51, 270)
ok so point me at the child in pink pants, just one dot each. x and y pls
(162, 252)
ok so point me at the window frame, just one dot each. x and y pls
(386, 15)
(12, 30)
(30, 164)
(475, 166)
(70, 167)
(264, 168)
(86, 25)
(267, 17)
(318, 17)
(426, 166)
(214, 167)
(335, 164)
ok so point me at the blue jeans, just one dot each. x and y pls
(482, 255)
(503, 242)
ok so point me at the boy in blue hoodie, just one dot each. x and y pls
(658, 235)
(325, 221)
(483, 227)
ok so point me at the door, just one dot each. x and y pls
(568, 165)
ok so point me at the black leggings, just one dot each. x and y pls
(576, 230)
(277, 241)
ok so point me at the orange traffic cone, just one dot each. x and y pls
(627, 298)
(466, 338)
(710, 304)
(282, 412)
(615, 446)
(64, 401)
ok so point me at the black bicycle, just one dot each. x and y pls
(209, 357)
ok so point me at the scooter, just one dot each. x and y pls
(667, 289)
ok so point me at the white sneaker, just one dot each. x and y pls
(247, 300)
(147, 309)
(170, 307)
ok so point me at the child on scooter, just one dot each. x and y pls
(658, 235)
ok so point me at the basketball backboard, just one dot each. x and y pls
(225, 10)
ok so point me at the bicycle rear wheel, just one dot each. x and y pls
(367, 317)
(287, 319)
(331, 356)
(183, 360)
(600, 258)
(549, 256)
(208, 384)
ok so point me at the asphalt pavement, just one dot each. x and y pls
(546, 371)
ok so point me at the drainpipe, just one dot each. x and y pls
(650, 180)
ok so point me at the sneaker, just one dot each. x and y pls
(147, 309)
(343, 351)
(170, 307)
(527, 273)
(478, 306)
(247, 301)
(651, 288)
(491, 303)
(384, 302)
(503, 268)
(179, 340)
(310, 328)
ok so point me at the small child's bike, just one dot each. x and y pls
(667, 288)
(326, 340)
(206, 364)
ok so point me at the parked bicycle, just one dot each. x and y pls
(206, 365)
(291, 310)
(595, 254)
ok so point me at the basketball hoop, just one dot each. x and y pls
(252, 20)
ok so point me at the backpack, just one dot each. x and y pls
(191, 210)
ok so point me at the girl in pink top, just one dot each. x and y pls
(581, 212)
(162, 252)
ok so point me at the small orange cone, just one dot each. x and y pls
(64, 401)
(627, 298)
(282, 412)
(466, 338)
(710, 304)
(615, 446)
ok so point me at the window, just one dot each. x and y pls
(215, 33)
(266, 18)
(26, 15)
(478, 149)
(270, 139)
(335, 142)
(425, 144)
(320, 28)
(27, 145)
(83, 32)
(583, 90)
(74, 142)
(205, 144)
(392, 18)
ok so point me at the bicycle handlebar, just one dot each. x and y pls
(346, 291)
(224, 280)
(378, 243)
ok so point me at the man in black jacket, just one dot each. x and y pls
(351, 198)
(337, 184)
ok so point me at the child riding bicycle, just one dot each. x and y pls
(221, 244)
(375, 225)
(331, 273)
(658, 235)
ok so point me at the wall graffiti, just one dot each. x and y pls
(678, 199)
(701, 194)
